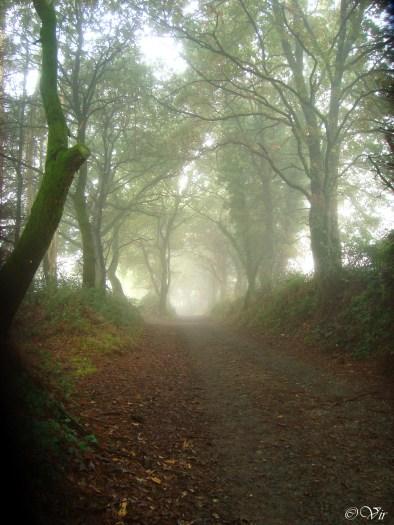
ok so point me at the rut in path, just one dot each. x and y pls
(217, 428)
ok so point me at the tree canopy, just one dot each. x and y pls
(273, 126)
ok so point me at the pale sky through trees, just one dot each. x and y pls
(164, 55)
(210, 97)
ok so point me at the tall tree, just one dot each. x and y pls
(61, 164)
(87, 63)
(308, 70)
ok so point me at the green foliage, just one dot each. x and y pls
(364, 323)
(64, 329)
(51, 367)
(381, 255)
(80, 307)
(64, 334)
(44, 427)
(150, 306)
(291, 303)
(228, 310)
(82, 365)
(357, 318)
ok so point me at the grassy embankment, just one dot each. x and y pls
(62, 334)
(356, 318)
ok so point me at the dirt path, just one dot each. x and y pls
(201, 426)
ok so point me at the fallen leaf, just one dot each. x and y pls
(155, 479)
(122, 512)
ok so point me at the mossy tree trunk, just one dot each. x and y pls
(61, 164)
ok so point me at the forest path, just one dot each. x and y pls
(202, 426)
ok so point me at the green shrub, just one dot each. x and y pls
(357, 317)
(227, 309)
(150, 305)
(288, 305)
(66, 332)
(44, 426)
(79, 307)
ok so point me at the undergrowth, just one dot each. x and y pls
(69, 327)
(150, 307)
(356, 316)
(81, 307)
(64, 333)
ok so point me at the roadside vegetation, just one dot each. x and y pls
(63, 334)
(191, 181)
(356, 317)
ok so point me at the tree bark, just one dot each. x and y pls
(267, 260)
(166, 227)
(251, 276)
(50, 262)
(31, 148)
(100, 201)
(79, 197)
(85, 228)
(61, 164)
(325, 242)
(151, 272)
(164, 277)
(113, 278)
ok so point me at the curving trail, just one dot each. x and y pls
(202, 426)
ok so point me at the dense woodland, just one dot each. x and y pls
(244, 173)
(278, 128)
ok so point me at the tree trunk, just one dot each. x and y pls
(50, 262)
(165, 231)
(113, 279)
(251, 290)
(60, 166)
(150, 271)
(325, 243)
(115, 284)
(164, 280)
(100, 271)
(30, 154)
(100, 201)
(88, 247)
(267, 260)
(79, 197)
(163, 299)
(240, 284)
(97, 232)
